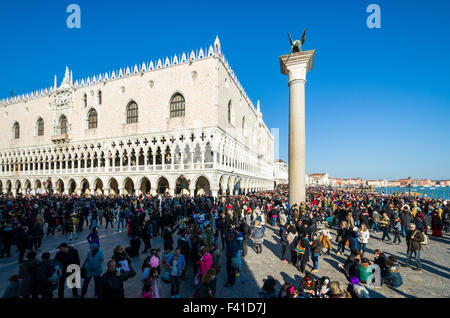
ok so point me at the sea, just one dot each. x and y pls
(429, 192)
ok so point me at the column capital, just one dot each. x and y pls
(296, 65)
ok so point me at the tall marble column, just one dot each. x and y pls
(295, 67)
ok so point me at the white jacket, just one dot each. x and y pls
(364, 237)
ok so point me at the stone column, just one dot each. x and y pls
(295, 66)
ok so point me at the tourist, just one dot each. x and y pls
(322, 287)
(406, 219)
(308, 285)
(363, 238)
(413, 239)
(66, 256)
(380, 259)
(325, 239)
(150, 278)
(111, 282)
(436, 224)
(258, 236)
(93, 265)
(123, 261)
(231, 252)
(284, 242)
(397, 231)
(13, 289)
(205, 261)
(392, 275)
(342, 237)
(384, 223)
(336, 291)
(146, 235)
(268, 289)
(316, 247)
(302, 250)
(23, 242)
(176, 264)
(48, 273)
(27, 273)
(245, 229)
(93, 237)
(207, 288)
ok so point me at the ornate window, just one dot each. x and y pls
(99, 97)
(16, 130)
(177, 106)
(132, 113)
(92, 119)
(40, 127)
(63, 125)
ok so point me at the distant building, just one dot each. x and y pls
(319, 179)
(281, 172)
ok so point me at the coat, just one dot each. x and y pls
(111, 286)
(413, 243)
(258, 234)
(27, 272)
(392, 277)
(94, 262)
(205, 263)
(66, 259)
(364, 237)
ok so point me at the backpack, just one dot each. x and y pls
(425, 240)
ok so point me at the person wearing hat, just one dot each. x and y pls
(67, 255)
(12, 291)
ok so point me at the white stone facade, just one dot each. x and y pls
(214, 139)
(281, 172)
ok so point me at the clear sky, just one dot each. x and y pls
(377, 100)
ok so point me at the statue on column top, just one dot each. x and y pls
(296, 46)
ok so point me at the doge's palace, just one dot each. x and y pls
(181, 124)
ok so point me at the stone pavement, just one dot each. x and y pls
(433, 281)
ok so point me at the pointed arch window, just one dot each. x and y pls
(230, 118)
(40, 127)
(16, 130)
(92, 119)
(63, 125)
(132, 113)
(177, 106)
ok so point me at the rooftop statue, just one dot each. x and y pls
(296, 46)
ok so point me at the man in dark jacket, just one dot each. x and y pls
(111, 282)
(406, 218)
(44, 284)
(245, 230)
(413, 239)
(231, 250)
(23, 242)
(67, 255)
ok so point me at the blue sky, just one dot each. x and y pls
(377, 100)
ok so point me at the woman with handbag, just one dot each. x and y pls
(92, 267)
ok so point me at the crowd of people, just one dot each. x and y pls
(198, 232)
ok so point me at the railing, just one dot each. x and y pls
(149, 167)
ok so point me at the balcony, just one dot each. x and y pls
(60, 138)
